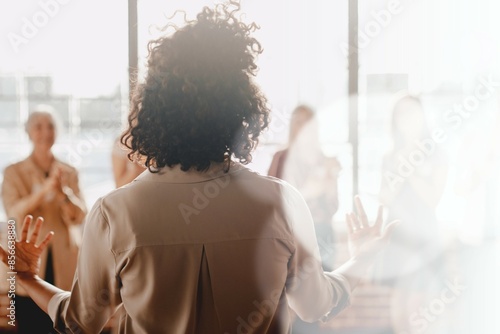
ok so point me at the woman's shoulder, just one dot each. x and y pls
(270, 184)
(258, 177)
(17, 166)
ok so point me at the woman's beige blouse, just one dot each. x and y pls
(22, 179)
(185, 253)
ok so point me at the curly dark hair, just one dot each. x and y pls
(199, 103)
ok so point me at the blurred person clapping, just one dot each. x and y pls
(44, 186)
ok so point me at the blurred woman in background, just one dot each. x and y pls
(42, 185)
(304, 166)
(413, 181)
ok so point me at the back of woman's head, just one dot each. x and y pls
(199, 104)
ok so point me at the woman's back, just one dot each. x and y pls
(223, 242)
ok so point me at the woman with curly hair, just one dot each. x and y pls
(198, 243)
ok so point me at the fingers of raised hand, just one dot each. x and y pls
(390, 229)
(46, 241)
(352, 223)
(363, 218)
(349, 224)
(32, 238)
(355, 223)
(26, 226)
(36, 231)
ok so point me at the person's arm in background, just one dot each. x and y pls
(72, 206)
(317, 295)
(276, 165)
(17, 206)
(95, 287)
(119, 167)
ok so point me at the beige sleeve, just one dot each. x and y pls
(95, 294)
(11, 196)
(75, 187)
(313, 294)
